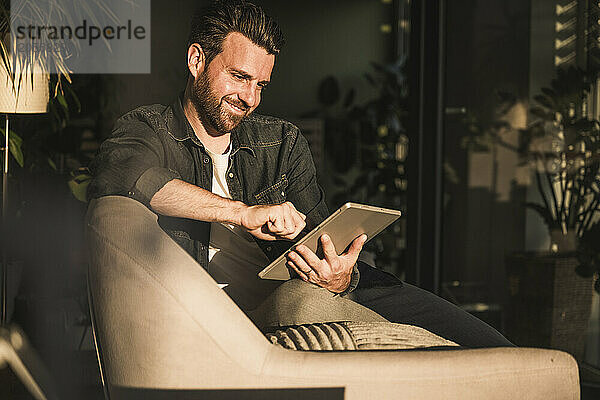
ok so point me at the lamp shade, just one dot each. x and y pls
(28, 98)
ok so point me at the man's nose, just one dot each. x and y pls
(248, 95)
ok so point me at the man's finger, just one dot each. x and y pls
(299, 225)
(276, 224)
(356, 246)
(299, 220)
(292, 235)
(299, 261)
(309, 257)
(291, 218)
(296, 211)
(290, 222)
(328, 248)
(263, 233)
(300, 273)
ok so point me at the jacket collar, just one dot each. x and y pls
(181, 130)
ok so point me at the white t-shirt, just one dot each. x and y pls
(234, 258)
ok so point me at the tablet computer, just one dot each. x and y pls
(343, 226)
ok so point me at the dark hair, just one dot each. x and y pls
(211, 25)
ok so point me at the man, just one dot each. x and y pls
(233, 188)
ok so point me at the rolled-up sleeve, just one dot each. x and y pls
(131, 162)
(150, 182)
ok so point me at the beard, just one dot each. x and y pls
(211, 109)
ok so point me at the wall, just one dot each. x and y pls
(323, 37)
(487, 51)
(169, 31)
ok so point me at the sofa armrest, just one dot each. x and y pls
(163, 323)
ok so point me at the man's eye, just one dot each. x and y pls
(238, 77)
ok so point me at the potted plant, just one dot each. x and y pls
(41, 152)
(549, 303)
(366, 147)
(563, 147)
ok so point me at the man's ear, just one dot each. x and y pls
(196, 59)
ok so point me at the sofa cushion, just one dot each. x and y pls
(356, 336)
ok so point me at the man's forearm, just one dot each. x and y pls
(181, 199)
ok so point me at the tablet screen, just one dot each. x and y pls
(343, 226)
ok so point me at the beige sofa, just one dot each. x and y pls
(163, 328)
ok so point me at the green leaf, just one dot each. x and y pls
(16, 151)
(329, 91)
(62, 101)
(450, 173)
(16, 138)
(377, 67)
(540, 112)
(506, 97)
(591, 239)
(543, 212)
(75, 99)
(52, 164)
(65, 106)
(349, 99)
(544, 101)
(549, 92)
(79, 185)
(15, 143)
(370, 79)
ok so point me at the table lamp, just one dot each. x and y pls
(28, 97)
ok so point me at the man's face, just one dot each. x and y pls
(229, 88)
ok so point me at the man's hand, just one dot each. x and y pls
(273, 222)
(332, 272)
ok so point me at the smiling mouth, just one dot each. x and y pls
(237, 108)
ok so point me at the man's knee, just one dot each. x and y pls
(297, 293)
(296, 302)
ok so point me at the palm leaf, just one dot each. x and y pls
(79, 185)
(15, 146)
(544, 213)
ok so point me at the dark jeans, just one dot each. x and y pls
(408, 304)
(379, 296)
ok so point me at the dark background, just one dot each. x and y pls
(463, 211)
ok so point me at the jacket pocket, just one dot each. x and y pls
(274, 194)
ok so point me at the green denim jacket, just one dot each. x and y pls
(270, 163)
